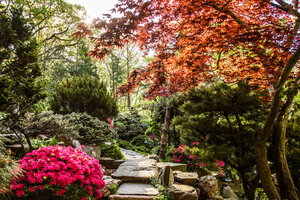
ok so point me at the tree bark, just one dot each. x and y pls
(262, 136)
(165, 133)
(283, 174)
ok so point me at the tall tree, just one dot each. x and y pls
(256, 41)
(19, 69)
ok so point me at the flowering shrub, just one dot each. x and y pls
(57, 172)
(192, 157)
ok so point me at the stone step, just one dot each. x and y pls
(174, 166)
(136, 171)
(186, 178)
(130, 197)
(132, 191)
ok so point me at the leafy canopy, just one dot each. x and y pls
(195, 41)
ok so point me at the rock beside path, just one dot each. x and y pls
(186, 178)
(182, 192)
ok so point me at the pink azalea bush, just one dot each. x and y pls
(192, 157)
(57, 172)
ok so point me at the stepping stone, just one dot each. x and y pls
(135, 191)
(186, 178)
(136, 170)
(174, 166)
(131, 155)
(129, 197)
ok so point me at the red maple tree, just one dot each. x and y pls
(257, 41)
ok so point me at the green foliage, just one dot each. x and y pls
(83, 94)
(19, 84)
(7, 164)
(223, 119)
(38, 143)
(163, 193)
(142, 140)
(128, 125)
(80, 126)
(113, 189)
(111, 151)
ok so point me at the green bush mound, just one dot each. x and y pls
(141, 144)
(84, 94)
(81, 126)
(111, 151)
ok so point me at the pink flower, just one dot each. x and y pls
(31, 189)
(58, 167)
(82, 146)
(195, 143)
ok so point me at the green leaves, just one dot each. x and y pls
(84, 94)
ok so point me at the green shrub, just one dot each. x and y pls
(128, 125)
(113, 189)
(142, 140)
(80, 126)
(124, 144)
(111, 151)
(84, 94)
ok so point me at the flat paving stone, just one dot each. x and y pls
(136, 170)
(131, 155)
(137, 189)
(130, 197)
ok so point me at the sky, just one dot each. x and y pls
(95, 8)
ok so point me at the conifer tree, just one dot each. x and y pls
(83, 94)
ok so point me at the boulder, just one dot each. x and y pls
(93, 151)
(208, 186)
(174, 166)
(182, 192)
(166, 176)
(136, 170)
(228, 193)
(186, 178)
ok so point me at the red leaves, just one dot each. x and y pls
(253, 36)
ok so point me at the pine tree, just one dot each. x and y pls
(83, 94)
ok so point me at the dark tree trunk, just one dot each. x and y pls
(165, 133)
(283, 174)
(249, 187)
(128, 100)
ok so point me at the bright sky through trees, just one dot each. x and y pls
(95, 8)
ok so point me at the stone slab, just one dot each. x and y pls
(136, 170)
(130, 197)
(137, 189)
(174, 166)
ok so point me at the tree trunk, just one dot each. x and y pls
(264, 170)
(165, 133)
(249, 187)
(262, 136)
(128, 100)
(283, 174)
